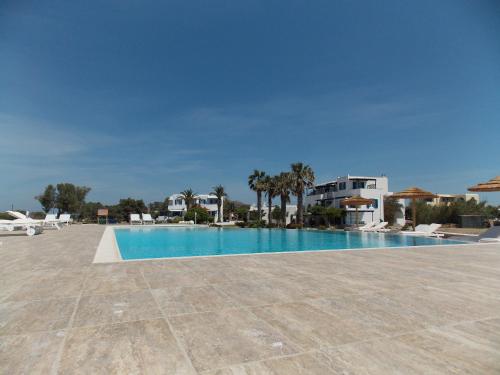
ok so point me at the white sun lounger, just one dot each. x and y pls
(367, 226)
(147, 219)
(492, 235)
(424, 230)
(29, 226)
(49, 221)
(161, 219)
(65, 219)
(135, 219)
(17, 214)
(377, 227)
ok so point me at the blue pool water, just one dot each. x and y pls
(142, 243)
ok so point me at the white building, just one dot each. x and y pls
(329, 194)
(177, 205)
(291, 212)
(446, 199)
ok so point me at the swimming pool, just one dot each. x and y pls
(163, 242)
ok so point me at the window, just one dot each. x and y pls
(375, 203)
(212, 200)
(358, 184)
(178, 202)
(342, 186)
(170, 202)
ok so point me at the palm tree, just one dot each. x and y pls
(270, 183)
(302, 177)
(220, 193)
(256, 183)
(283, 188)
(189, 197)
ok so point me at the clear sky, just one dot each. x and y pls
(145, 98)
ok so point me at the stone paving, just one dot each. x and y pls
(413, 311)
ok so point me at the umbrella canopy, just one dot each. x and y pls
(491, 185)
(356, 201)
(413, 193)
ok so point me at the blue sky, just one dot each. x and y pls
(145, 98)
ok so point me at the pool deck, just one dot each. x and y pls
(407, 311)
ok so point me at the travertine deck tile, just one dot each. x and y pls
(33, 316)
(33, 353)
(115, 308)
(384, 357)
(184, 300)
(114, 284)
(125, 348)
(301, 364)
(312, 328)
(215, 340)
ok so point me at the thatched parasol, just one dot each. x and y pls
(491, 185)
(356, 201)
(413, 193)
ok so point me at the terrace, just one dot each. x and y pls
(416, 310)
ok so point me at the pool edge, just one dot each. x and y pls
(108, 250)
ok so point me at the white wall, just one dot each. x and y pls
(182, 207)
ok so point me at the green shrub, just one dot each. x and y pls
(241, 224)
(202, 215)
(294, 226)
(450, 214)
(258, 224)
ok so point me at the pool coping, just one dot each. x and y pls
(108, 251)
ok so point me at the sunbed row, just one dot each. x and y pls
(420, 230)
(147, 219)
(34, 226)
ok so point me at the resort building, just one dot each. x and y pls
(446, 199)
(291, 212)
(177, 205)
(330, 194)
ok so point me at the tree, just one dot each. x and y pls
(302, 177)
(158, 208)
(198, 214)
(70, 198)
(391, 208)
(327, 215)
(89, 211)
(229, 209)
(450, 213)
(48, 198)
(276, 214)
(256, 183)
(334, 214)
(220, 193)
(283, 186)
(270, 190)
(189, 198)
(127, 206)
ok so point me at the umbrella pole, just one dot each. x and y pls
(414, 212)
(356, 216)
